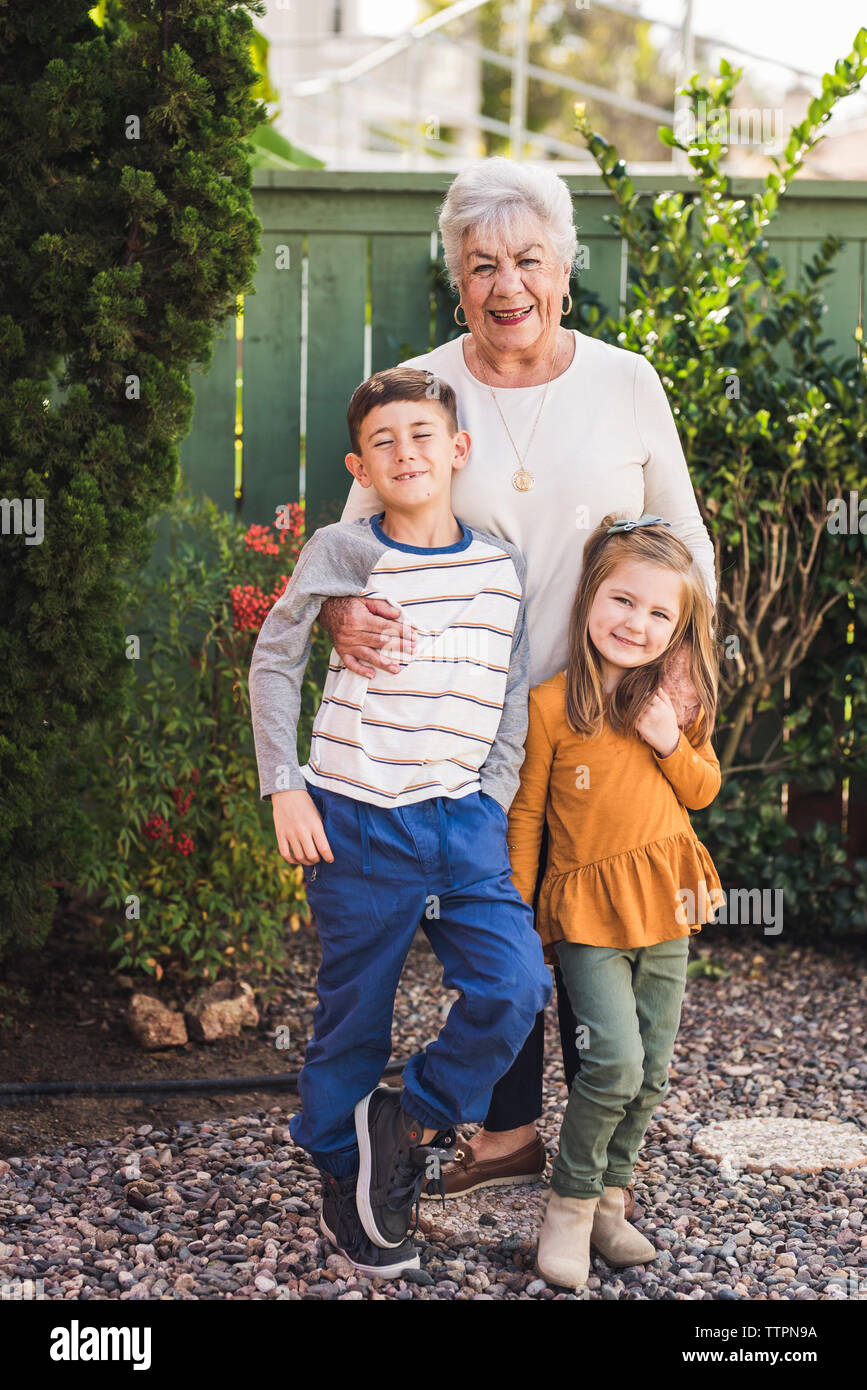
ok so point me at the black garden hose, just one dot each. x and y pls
(282, 1081)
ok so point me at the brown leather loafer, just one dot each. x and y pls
(464, 1173)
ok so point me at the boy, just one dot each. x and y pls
(401, 815)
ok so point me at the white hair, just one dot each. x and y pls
(494, 196)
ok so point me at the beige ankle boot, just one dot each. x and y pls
(563, 1256)
(612, 1236)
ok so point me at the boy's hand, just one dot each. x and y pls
(301, 836)
(658, 724)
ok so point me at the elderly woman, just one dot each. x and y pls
(564, 430)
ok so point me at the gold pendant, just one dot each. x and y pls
(522, 480)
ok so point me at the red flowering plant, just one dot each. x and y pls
(183, 853)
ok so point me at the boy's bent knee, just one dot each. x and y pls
(543, 989)
(520, 995)
(531, 992)
(533, 975)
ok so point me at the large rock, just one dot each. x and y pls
(786, 1146)
(221, 1011)
(153, 1025)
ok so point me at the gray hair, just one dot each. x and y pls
(495, 195)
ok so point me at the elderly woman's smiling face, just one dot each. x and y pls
(512, 287)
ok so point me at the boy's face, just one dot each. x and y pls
(408, 453)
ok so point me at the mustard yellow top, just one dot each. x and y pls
(625, 866)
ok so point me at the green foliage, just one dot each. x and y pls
(703, 968)
(126, 233)
(10, 995)
(774, 429)
(268, 148)
(753, 845)
(183, 847)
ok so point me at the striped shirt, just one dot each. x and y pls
(451, 721)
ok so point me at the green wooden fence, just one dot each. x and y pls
(343, 288)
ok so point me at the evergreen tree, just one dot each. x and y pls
(126, 232)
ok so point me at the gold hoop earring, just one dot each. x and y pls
(568, 309)
(459, 305)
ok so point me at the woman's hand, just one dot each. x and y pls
(658, 724)
(301, 837)
(677, 684)
(361, 627)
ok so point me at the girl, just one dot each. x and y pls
(627, 881)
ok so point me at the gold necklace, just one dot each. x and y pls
(522, 478)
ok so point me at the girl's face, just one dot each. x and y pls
(634, 614)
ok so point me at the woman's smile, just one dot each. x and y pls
(510, 315)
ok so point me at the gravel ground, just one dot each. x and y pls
(228, 1208)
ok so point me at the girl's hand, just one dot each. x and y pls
(658, 724)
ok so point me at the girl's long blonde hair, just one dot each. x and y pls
(587, 703)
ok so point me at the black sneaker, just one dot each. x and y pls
(435, 1186)
(394, 1165)
(340, 1224)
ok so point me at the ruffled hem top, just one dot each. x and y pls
(625, 867)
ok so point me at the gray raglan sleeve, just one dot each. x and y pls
(499, 773)
(336, 561)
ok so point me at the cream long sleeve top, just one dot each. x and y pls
(606, 442)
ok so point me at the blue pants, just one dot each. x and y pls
(441, 864)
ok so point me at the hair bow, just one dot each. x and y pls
(645, 520)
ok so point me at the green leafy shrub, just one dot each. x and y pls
(754, 845)
(184, 847)
(127, 231)
(704, 968)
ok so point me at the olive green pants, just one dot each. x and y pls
(627, 1006)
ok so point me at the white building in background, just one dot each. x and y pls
(420, 107)
(842, 154)
(406, 113)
